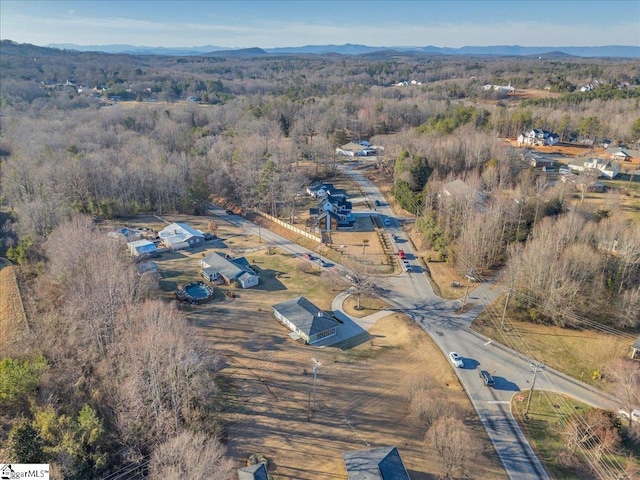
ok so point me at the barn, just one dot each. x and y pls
(306, 320)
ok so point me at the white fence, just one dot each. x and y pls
(290, 227)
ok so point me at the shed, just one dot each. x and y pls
(382, 463)
(305, 319)
(141, 247)
(253, 472)
(635, 349)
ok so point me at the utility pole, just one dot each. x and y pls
(316, 364)
(466, 292)
(504, 312)
(538, 366)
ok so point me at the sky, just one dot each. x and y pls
(293, 23)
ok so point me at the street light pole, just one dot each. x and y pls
(316, 364)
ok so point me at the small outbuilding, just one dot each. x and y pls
(253, 472)
(382, 463)
(635, 349)
(306, 320)
(138, 248)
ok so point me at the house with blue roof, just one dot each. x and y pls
(382, 463)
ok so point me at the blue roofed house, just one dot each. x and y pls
(382, 463)
(253, 472)
(218, 267)
(305, 319)
(179, 236)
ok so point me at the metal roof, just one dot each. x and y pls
(383, 463)
(306, 316)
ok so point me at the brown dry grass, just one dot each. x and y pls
(13, 321)
(578, 353)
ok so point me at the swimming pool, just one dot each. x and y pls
(197, 292)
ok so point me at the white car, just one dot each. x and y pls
(635, 414)
(456, 359)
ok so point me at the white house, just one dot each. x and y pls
(306, 320)
(607, 168)
(179, 236)
(220, 267)
(538, 137)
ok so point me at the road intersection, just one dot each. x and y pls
(412, 294)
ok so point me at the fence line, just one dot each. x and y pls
(289, 226)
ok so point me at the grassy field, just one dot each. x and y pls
(548, 412)
(547, 416)
(581, 354)
(13, 320)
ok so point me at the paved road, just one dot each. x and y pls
(412, 294)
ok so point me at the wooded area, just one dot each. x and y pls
(88, 136)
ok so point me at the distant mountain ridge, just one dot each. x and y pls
(620, 51)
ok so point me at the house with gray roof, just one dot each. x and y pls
(139, 248)
(179, 236)
(382, 463)
(635, 349)
(253, 472)
(219, 267)
(306, 320)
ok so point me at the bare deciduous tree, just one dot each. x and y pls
(450, 439)
(191, 455)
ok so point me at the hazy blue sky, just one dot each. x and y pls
(270, 24)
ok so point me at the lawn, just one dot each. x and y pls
(544, 427)
(582, 354)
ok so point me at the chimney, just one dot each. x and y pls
(320, 313)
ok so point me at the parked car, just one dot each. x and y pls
(377, 202)
(307, 256)
(229, 212)
(635, 414)
(401, 254)
(321, 262)
(487, 379)
(456, 359)
(406, 265)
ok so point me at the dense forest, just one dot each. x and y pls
(90, 136)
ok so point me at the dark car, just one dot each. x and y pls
(487, 379)
(230, 212)
(307, 256)
(377, 202)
